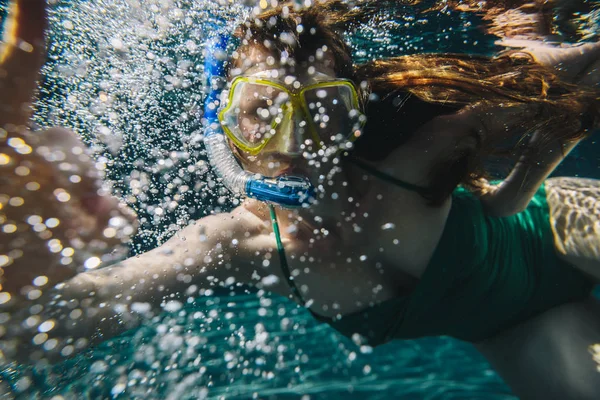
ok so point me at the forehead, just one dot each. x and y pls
(254, 59)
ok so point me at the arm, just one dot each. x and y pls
(22, 54)
(515, 192)
(447, 138)
(576, 64)
(94, 306)
(498, 124)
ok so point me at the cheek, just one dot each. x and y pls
(256, 164)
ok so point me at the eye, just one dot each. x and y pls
(253, 106)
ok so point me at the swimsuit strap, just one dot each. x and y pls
(282, 257)
(423, 191)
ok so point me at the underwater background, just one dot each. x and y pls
(127, 75)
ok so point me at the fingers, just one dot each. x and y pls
(52, 178)
(86, 180)
(22, 54)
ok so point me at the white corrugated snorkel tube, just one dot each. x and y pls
(287, 191)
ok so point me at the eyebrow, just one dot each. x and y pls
(314, 78)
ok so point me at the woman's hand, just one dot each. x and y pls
(54, 216)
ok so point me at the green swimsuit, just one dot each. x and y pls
(486, 275)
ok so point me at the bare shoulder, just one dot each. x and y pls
(240, 234)
(243, 238)
(438, 140)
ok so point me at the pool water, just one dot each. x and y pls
(238, 343)
(246, 346)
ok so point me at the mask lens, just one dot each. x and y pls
(254, 112)
(334, 112)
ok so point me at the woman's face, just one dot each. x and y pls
(290, 149)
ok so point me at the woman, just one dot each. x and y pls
(413, 256)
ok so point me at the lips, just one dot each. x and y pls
(293, 171)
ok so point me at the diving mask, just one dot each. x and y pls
(287, 191)
(259, 111)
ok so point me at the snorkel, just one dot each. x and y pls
(287, 191)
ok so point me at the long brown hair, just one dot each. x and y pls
(426, 84)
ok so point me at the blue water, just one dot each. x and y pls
(281, 353)
(243, 344)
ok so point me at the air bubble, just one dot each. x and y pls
(92, 262)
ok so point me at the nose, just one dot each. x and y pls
(291, 134)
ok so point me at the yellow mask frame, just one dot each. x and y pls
(297, 100)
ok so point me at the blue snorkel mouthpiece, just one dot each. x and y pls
(288, 191)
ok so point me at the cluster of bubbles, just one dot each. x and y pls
(128, 77)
